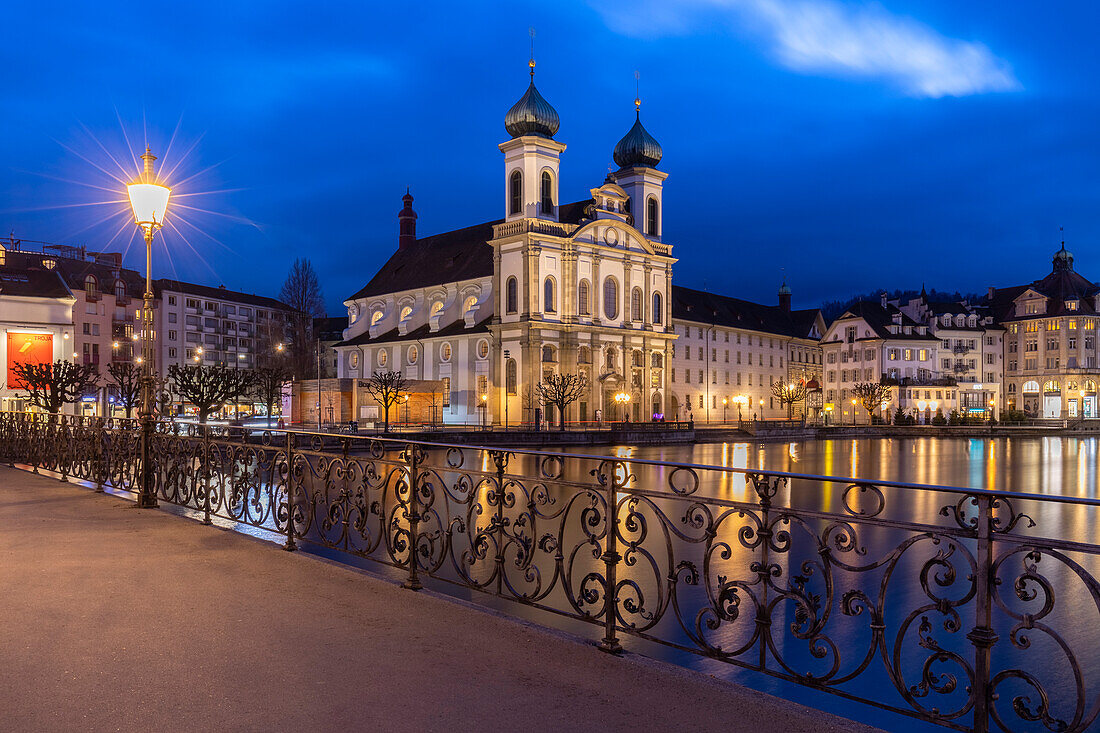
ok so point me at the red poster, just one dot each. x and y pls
(34, 348)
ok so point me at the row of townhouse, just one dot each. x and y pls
(1028, 348)
(93, 317)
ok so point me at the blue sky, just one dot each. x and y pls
(849, 145)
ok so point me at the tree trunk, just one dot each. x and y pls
(561, 417)
(386, 429)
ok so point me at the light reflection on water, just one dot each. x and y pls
(1043, 466)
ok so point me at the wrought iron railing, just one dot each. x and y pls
(972, 609)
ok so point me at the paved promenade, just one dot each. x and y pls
(115, 618)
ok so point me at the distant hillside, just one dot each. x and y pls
(832, 309)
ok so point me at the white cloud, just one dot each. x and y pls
(832, 38)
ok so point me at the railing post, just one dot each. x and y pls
(500, 458)
(99, 435)
(982, 635)
(765, 490)
(206, 475)
(147, 494)
(611, 557)
(34, 441)
(291, 545)
(62, 444)
(412, 457)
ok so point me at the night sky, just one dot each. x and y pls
(857, 145)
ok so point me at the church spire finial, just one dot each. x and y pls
(531, 63)
(637, 94)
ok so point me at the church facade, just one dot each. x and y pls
(475, 318)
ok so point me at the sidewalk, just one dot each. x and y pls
(114, 618)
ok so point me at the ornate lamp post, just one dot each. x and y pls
(149, 201)
(623, 399)
(725, 404)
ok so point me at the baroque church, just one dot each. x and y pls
(476, 317)
(482, 313)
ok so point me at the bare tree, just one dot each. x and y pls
(788, 393)
(267, 386)
(126, 378)
(52, 386)
(561, 390)
(206, 387)
(302, 292)
(388, 388)
(872, 396)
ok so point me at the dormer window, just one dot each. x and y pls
(1071, 305)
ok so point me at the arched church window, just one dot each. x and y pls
(651, 217)
(511, 376)
(582, 298)
(584, 355)
(548, 353)
(636, 304)
(657, 308)
(547, 191)
(548, 295)
(657, 360)
(515, 193)
(511, 296)
(611, 298)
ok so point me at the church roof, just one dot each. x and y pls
(461, 254)
(700, 306)
(455, 328)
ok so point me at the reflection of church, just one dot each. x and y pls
(482, 313)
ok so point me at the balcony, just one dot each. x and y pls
(960, 349)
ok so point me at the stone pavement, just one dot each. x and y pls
(115, 618)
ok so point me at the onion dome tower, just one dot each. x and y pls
(637, 149)
(637, 156)
(785, 296)
(531, 115)
(531, 157)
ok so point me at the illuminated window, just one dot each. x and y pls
(482, 349)
(413, 354)
(383, 357)
(445, 352)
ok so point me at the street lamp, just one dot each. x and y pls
(149, 201)
(406, 410)
(725, 404)
(854, 403)
(623, 398)
(484, 408)
(506, 386)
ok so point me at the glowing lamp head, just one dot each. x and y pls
(148, 199)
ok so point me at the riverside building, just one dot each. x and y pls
(1050, 348)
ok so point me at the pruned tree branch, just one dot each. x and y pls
(561, 390)
(52, 386)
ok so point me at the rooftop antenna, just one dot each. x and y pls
(531, 63)
(1062, 233)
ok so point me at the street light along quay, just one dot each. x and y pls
(623, 398)
(149, 201)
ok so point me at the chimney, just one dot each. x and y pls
(407, 221)
(883, 298)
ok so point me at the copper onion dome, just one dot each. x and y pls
(531, 115)
(638, 147)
